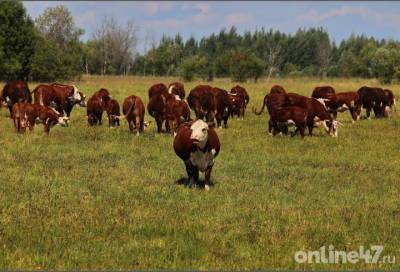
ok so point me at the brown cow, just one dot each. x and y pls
(238, 105)
(134, 111)
(341, 102)
(178, 89)
(26, 115)
(278, 89)
(176, 112)
(289, 115)
(197, 144)
(96, 105)
(113, 111)
(201, 100)
(376, 99)
(239, 90)
(324, 93)
(223, 105)
(157, 89)
(13, 92)
(72, 100)
(392, 100)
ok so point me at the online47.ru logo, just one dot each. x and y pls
(332, 256)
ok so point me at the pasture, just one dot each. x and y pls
(100, 198)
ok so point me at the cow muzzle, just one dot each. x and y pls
(63, 121)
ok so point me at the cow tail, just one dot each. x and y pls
(124, 116)
(261, 110)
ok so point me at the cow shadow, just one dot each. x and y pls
(199, 184)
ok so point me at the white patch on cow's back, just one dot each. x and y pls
(202, 160)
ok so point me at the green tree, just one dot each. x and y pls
(17, 41)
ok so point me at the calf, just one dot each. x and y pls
(176, 112)
(26, 115)
(13, 92)
(134, 111)
(113, 112)
(96, 105)
(289, 115)
(157, 89)
(376, 99)
(178, 89)
(197, 144)
(201, 100)
(239, 90)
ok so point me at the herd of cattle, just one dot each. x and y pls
(195, 140)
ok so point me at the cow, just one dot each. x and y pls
(96, 105)
(73, 100)
(287, 116)
(134, 111)
(157, 89)
(324, 93)
(343, 101)
(58, 95)
(13, 92)
(176, 112)
(239, 90)
(197, 144)
(376, 99)
(201, 100)
(277, 89)
(223, 106)
(238, 105)
(392, 100)
(26, 115)
(178, 89)
(113, 111)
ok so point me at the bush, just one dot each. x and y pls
(189, 67)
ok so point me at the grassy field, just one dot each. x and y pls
(100, 198)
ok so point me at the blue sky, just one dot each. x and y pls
(340, 19)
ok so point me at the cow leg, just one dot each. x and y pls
(130, 124)
(207, 176)
(270, 126)
(191, 172)
(301, 128)
(138, 125)
(100, 117)
(159, 122)
(368, 111)
(226, 122)
(353, 115)
(310, 128)
(47, 129)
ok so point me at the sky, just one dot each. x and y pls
(340, 18)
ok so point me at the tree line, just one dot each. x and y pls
(49, 48)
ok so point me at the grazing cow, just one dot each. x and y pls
(289, 115)
(13, 92)
(58, 95)
(96, 105)
(341, 102)
(197, 144)
(176, 112)
(157, 89)
(201, 100)
(239, 90)
(238, 105)
(376, 99)
(178, 89)
(26, 115)
(325, 93)
(72, 100)
(223, 105)
(113, 112)
(392, 100)
(134, 111)
(278, 89)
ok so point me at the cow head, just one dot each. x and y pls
(331, 127)
(82, 101)
(53, 118)
(199, 133)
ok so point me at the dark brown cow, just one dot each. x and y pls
(176, 112)
(238, 105)
(289, 115)
(376, 99)
(277, 89)
(324, 93)
(57, 95)
(239, 90)
(156, 109)
(392, 100)
(157, 89)
(223, 105)
(134, 111)
(345, 101)
(72, 100)
(201, 100)
(26, 115)
(96, 105)
(178, 89)
(113, 112)
(13, 92)
(197, 145)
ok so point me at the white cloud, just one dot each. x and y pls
(238, 19)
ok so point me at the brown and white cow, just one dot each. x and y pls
(176, 112)
(134, 111)
(72, 100)
(26, 115)
(392, 100)
(201, 100)
(290, 115)
(113, 112)
(157, 89)
(178, 89)
(238, 105)
(157, 107)
(239, 90)
(223, 105)
(96, 105)
(13, 92)
(197, 144)
(343, 101)
(376, 99)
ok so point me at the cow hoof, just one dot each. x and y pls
(207, 188)
(269, 133)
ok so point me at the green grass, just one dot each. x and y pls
(100, 198)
